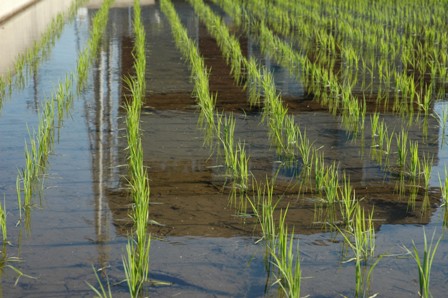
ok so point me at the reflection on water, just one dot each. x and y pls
(101, 117)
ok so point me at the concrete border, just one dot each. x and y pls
(9, 8)
(25, 27)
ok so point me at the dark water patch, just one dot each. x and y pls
(230, 95)
(169, 101)
(169, 85)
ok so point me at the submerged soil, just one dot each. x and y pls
(201, 246)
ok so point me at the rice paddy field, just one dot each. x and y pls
(256, 148)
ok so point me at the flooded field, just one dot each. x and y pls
(315, 168)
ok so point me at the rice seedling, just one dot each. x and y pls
(253, 83)
(280, 246)
(426, 166)
(331, 184)
(306, 151)
(227, 140)
(242, 167)
(319, 171)
(351, 113)
(45, 134)
(361, 238)
(382, 135)
(82, 68)
(367, 228)
(348, 202)
(39, 147)
(276, 119)
(3, 221)
(5, 262)
(3, 84)
(388, 149)
(402, 140)
(19, 194)
(286, 258)
(424, 101)
(235, 157)
(136, 262)
(136, 265)
(414, 165)
(263, 208)
(424, 262)
(64, 98)
(30, 172)
(291, 138)
(101, 292)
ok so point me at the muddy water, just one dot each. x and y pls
(200, 248)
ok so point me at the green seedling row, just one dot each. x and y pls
(136, 261)
(382, 136)
(220, 126)
(42, 141)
